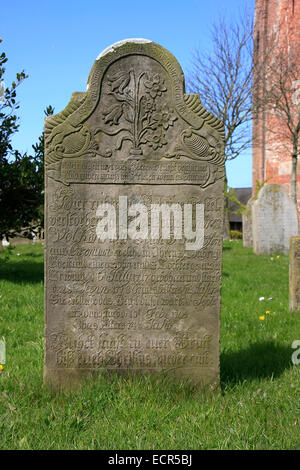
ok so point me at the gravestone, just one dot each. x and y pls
(274, 219)
(134, 219)
(247, 225)
(294, 273)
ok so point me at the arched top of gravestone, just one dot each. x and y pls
(271, 192)
(135, 106)
(120, 43)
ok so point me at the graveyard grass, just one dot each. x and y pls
(258, 406)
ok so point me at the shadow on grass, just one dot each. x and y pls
(22, 271)
(258, 361)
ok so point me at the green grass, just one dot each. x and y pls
(258, 406)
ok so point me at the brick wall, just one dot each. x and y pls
(277, 28)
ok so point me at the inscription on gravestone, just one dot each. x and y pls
(134, 220)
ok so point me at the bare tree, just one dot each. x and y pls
(223, 79)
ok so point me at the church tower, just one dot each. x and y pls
(277, 27)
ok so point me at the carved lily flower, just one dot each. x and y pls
(119, 81)
(154, 86)
(113, 115)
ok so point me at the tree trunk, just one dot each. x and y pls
(294, 173)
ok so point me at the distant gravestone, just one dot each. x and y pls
(247, 225)
(134, 220)
(274, 219)
(295, 273)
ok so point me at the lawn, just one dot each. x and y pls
(258, 406)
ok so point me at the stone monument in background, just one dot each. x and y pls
(134, 174)
(274, 220)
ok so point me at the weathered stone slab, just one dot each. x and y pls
(295, 273)
(274, 219)
(129, 289)
(247, 225)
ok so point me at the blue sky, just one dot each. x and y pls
(56, 43)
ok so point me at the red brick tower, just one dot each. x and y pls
(275, 20)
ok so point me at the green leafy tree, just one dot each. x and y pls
(21, 175)
(8, 106)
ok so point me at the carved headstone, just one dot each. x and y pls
(247, 225)
(274, 219)
(295, 273)
(134, 219)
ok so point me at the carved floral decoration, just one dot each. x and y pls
(139, 101)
